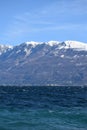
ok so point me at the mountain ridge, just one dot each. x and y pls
(44, 63)
(69, 43)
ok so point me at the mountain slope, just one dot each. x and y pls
(44, 63)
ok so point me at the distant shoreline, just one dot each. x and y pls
(43, 85)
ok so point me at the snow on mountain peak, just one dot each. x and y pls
(69, 44)
(76, 45)
(79, 46)
(4, 48)
(52, 43)
(33, 43)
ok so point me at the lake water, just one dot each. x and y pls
(43, 108)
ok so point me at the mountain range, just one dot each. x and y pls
(44, 63)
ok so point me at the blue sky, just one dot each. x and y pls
(42, 20)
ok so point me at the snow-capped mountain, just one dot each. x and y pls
(76, 45)
(79, 46)
(4, 48)
(67, 44)
(44, 63)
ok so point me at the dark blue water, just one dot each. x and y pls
(43, 108)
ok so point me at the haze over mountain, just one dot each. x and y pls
(44, 63)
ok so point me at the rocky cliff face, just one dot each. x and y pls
(44, 63)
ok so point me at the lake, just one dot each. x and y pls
(43, 108)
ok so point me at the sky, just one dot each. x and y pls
(42, 20)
